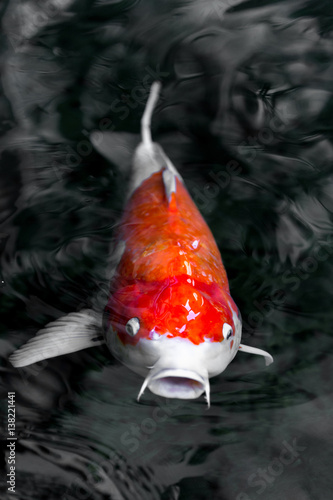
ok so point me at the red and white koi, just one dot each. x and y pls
(170, 316)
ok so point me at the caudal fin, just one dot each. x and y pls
(147, 115)
(142, 158)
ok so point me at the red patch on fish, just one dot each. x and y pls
(171, 274)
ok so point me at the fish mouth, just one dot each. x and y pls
(177, 383)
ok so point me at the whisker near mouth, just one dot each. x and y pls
(177, 383)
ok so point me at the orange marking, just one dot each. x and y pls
(154, 237)
(171, 274)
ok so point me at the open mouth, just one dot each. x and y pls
(175, 383)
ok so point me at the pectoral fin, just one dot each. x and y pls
(260, 352)
(70, 333)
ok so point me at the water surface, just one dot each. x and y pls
(246, 116)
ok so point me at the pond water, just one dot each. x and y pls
(246, 116)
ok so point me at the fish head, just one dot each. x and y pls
(177, 334)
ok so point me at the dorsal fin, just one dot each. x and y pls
(169, 181)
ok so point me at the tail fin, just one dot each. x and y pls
(146, 158)
(119, 147)
(146, 118)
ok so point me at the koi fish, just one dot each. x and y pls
(170, 316)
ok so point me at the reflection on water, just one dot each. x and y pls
(246, 116)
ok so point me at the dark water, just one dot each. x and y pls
(246, 116)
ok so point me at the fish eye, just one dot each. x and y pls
(132, 326)
(227, 331)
